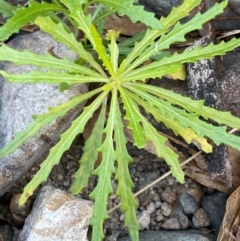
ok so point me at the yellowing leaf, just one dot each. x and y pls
(180, 74)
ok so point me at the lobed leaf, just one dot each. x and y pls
(125, 184)
(104, 173)
(73, 4)
(112, 35)
(151, 70)
(84, 23)
(132, 116)
(151, 35)
(51, 77)
(187, 133)
(139, 74)
(192, 106)
(177, 34)
(64, 144)
(100, 49)
(7, 9)
(23, 16)
(27, 57)
(179, 12)
(135, 13)
(90, 153)
(44, 119)
(216, 133)
(161, 149)
(61, 35)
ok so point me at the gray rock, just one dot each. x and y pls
(186, 235)
(57, 216)
(215, 206)
(182, 219)
(188, 203)
(200, 219)
(234, 5)
(18, 102)
(6, 232)
(171, 224)
(144, 219)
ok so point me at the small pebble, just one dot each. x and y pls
(169, 196)
(60, 177)
(171, 224)
(166, 209)
(144, 219)
(200, 219)
(121, 218)
(188, 203)
(160, 217)
(151, 207)
(158, 204)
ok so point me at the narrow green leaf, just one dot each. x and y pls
(132, 116)
(159, 143)
(23, 16)
(100, 49)
(6, 9)
(61, 35)
(179, 12)
(140, 47)
(163, 151)
(179, 31)
(64, 144)
(44, 119)
(51, 77)
(192, 106)
(125, 184)
(177, 34)
(217, 133)
(112, 35)
(151, 70)
(90, 153)
(73, 4)
(104, 173)
(187, 134)
(84, 23)
(139, 74)
(27, 57)
(135, 13)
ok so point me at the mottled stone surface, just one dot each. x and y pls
(189, 235)
(18, 102)
(57, 216)
(188, 203)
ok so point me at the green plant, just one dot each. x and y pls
(120, 77)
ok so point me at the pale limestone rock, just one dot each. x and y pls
(18, 102)
(57, 216)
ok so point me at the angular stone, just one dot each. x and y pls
(144, 219)
(166, 209)
(57, 216)
(169, 196)
(171, 224)
(200, 219)
(18, 102)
